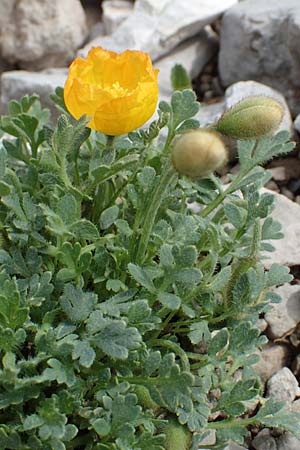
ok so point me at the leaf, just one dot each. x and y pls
(124, 410)
(108, 217)
(59, 372)
(184, 106)
(68, 209)
(77, 304)
(84, 352)
(84, 229)
(199, 331)
(104, 172)
(274, 414)
(219, 342)
(170, 301)
(180, 79)
(141, 276)
(277, 275)
(146, 177)
(115, 339)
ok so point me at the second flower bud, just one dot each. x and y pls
(198, 153)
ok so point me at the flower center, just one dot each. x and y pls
(116, 90)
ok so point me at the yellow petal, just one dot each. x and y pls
(118, 91)
(122, 115)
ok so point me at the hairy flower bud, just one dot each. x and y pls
(198, 153)
(178, 437)
(251, 118)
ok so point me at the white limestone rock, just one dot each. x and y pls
(259, 41)
(284, 316)
(283, 386)
(16, 83)
(288, 442)
(264, 441)
(193, 55)
(158, 26)
(114, 12)
(40, 33)
(297, 123)
(287, 250)
(273, 357)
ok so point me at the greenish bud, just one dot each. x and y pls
(180, 79)
(144, 398)
(251, 118)
(198, 153)
(178, 437)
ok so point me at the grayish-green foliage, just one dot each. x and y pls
(85, 326)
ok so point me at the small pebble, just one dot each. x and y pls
(285, 191)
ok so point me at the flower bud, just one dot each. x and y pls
(251, 118)
(178, 437)
(198, 153)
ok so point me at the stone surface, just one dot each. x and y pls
(39, 34)
(284, 316)
(17, 83)
(264, 441)
(242, 89)
(209, 439)
(192, 54)
(297, 123)
(233, 446)
(114, 12)
(261, 325)
(287, 250)
(273, 357)
(288, 442)
(209, 114)
(259, 40)
(283, 386)
(158, 26)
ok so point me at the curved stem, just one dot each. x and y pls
(167, 178)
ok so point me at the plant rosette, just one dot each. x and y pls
(124, 315)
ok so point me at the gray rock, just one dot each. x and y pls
(295, 406)
(283, 386)
(284, 316)
(114, 12)
(209, 439)
(273, 357)
(193, 54)
(242, 89)
(287, 250)
(262, 325)
(264, 441)
(40, 34)
(210, 113)
(259, 40)
(158, 26)
(297, 123)
(288, 442)
(17, 83)
(233, 446)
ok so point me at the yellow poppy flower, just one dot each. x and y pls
(118, 91)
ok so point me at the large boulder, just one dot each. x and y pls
(40, 33)
(158, 26)
(260, 41)
(16, 83)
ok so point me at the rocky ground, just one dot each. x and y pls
(231, 49)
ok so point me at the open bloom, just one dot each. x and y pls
(118, 91)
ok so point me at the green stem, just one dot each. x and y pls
(169, 139)
(166, 179)
(216, 202)
(175, 348)
(110, 142)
